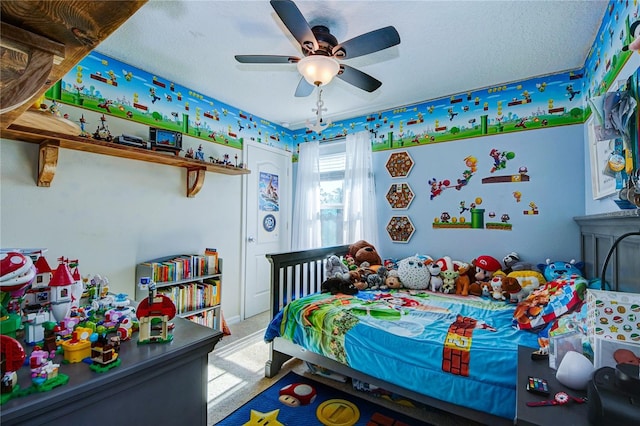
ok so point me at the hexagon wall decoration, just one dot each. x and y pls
(399, 164)
(400, 195)
(400, 229)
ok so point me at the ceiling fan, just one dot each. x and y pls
(322, 51)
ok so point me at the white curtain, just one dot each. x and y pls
(359, 195)
(307, 232)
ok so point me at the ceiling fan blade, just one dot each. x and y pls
(358, 78)
(368, 43)
(295, 22)
(266, 59)
(304, 88)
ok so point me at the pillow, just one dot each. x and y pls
(549, 302)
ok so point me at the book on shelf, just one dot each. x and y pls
(212, 258)
(193, 296)
(207, 318)
(184, 267)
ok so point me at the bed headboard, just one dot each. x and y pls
(299, 273)
(598, 234)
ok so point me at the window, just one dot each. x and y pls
(332, 163)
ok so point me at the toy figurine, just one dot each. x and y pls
(83, 131)
(200, 153)
(104, 354)
(102, 132)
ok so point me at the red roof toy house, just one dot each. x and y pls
(154, 314)
(61, 291)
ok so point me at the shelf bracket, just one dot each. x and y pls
(47, 162)
(30, 60)
(195, 180)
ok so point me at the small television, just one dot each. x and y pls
(165, 140)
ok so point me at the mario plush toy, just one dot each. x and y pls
(485, 266)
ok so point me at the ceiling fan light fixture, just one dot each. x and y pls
(318, 70)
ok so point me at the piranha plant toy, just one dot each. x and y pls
(17, 272)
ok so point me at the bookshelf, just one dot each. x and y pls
(192, 281)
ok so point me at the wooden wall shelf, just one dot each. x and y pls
(41, 41)
(50, 142)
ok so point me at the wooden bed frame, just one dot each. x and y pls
(299, 273)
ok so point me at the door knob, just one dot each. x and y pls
(251, 240)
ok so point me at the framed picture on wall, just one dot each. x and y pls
(603, 183)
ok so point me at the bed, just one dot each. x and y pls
(454, 353)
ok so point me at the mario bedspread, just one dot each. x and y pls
(460, 349)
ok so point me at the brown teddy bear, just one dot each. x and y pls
(362, 251)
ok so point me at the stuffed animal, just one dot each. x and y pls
(435, 281)
(376, 281)
(355, 278)
(392, 280)
(513, 288)
(554, 270)
(413, 273)
(335, 285)
(362, 251)
(334, 267)
(496, 287)
(350, 262)
(528, 280)
(448, 273)
(463, 280)
(390, 264)
(449, 280)
(512, 263)
(485, 266)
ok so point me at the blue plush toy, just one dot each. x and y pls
(554, 270)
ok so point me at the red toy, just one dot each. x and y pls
(485, 267)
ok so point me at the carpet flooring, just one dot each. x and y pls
(236, 375)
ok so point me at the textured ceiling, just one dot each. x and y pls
(447, 47)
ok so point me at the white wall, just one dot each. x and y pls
(111, 213)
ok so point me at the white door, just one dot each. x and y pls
(268, 208)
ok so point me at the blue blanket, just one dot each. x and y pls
(460, 349)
